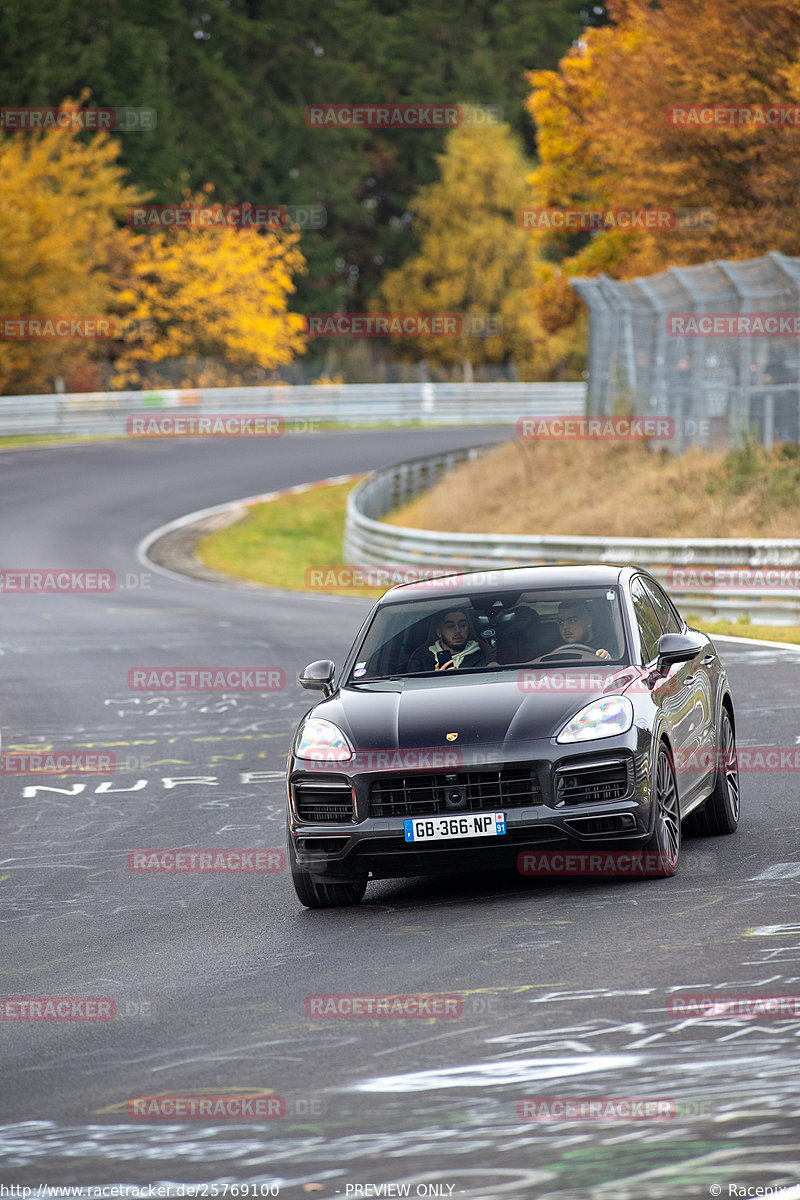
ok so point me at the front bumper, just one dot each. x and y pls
(350, 824)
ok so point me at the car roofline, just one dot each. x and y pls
(523, 577)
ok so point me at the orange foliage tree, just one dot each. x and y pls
(617, 129)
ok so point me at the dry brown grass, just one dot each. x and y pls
(613, 490)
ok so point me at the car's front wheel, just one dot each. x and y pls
(664, 846)
(317, 893)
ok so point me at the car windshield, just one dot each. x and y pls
(479, 632)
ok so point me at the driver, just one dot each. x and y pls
(575, 627)
(453, 647)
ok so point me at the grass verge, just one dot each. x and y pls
(279, 543)
(743, 629)
(12, 441)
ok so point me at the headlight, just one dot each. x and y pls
(602, 718)
(322, 740)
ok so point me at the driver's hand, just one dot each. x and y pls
(448, 666)
(603, 654)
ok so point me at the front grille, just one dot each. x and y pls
(323, 800)
(598, 781)
(426, 795)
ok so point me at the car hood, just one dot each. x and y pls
(482, 710)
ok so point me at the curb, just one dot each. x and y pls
(170, 547)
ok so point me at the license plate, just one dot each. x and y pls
(445, 829)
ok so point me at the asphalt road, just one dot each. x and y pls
(565, 983)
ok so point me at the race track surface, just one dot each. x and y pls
(565, 983)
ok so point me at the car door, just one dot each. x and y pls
(690, 702)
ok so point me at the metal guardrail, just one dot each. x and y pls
(101, 413)
(370, 542)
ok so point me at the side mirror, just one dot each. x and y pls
(318, 676)
(677, 648)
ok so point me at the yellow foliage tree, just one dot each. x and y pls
(61, 198)
(217, 295)
(609, 137)
(474, 258)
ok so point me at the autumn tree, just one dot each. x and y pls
(214, 293)
(614, 133)
(473, 259)
(230, 80)
(62, 199)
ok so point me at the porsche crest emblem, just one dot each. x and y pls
(451, 737)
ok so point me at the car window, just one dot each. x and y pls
(665, 609)
(505, 628)
(646, 619)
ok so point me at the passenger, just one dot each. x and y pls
(453, 647)
(575, 627)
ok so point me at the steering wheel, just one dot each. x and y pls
(582, 652)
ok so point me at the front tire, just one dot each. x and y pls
(664, 846)
(316, 893)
